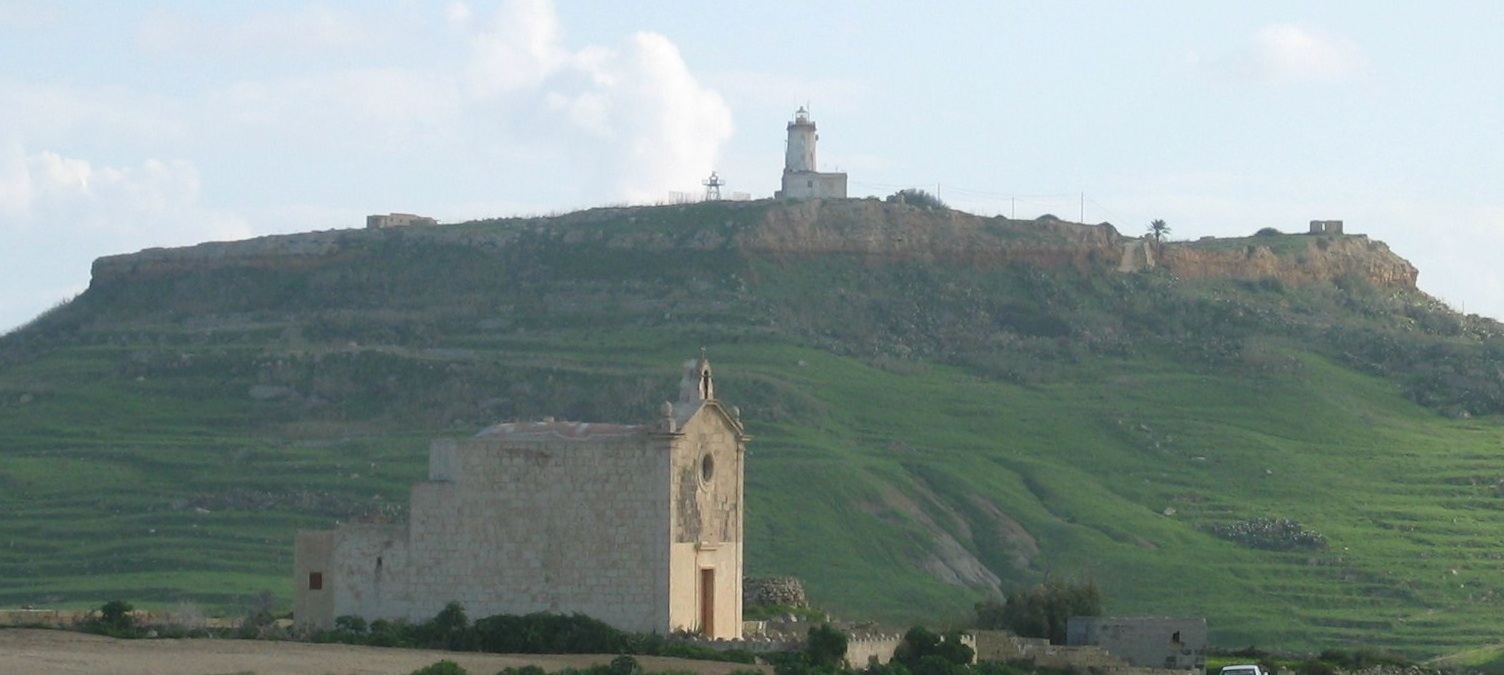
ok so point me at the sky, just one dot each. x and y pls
(131, 125)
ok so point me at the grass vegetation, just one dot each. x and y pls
(162, 437)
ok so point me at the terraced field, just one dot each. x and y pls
(926, 435)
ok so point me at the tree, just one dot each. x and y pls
(826, 647)
(916, 197)
(449, 629)
(1158, 230)
(115, 619)
(1042, 611)
(924, 651)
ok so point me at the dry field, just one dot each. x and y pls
(49, 652)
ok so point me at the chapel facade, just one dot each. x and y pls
(639, 526)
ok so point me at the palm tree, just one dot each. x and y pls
(1159, 230)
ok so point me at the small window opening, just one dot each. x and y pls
(707, 468)
(315, 581)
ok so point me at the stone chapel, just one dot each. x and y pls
(639, 526)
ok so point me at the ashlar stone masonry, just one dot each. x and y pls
(637, 525)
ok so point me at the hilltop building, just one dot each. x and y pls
(1326, 227)
(637, 525)
(397, 220)
(800, 178)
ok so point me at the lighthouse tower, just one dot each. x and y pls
(800, 155)
(800, 178)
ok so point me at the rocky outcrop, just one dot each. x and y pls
(1312, 258)
(875, 229)
(272, 252)
(865, 228)
(773, 592)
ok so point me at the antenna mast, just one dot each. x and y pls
(713, 187)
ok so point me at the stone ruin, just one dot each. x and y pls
(773, 592)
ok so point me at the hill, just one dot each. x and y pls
(1279, 433)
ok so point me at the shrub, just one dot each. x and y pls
(1271, 534)
(1042, 611)
(449, 629)
(545, 633)
(916, 197)
(387, 633)
(445, 667)
(623, 665)
(826, 646)
(927, 652)
(1267, 232)
(525, 670)
(114, 620)
(1363, 658)
(351, 624)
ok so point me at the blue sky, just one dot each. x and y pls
(128, 125)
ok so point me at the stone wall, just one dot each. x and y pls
(1323, 258)
(562, 526)
(773, 591)
(1146, 642)
(398, 220)
(705, 556)
(1006, 647)
(639, 527)
(864, 650)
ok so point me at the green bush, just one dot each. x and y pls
(916, 197)
(445, 667)
(114, 620)
(546, 633)
(623, 665)
(826, 646)
(449, 629)
(1042, 611)
(925, 652)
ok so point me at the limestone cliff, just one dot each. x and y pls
(865, 228)
(895, 231)
(1312, 258)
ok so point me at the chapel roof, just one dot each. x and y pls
(551, 430)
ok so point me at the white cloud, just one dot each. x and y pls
(309, 28)
(27, 15)
(1285, 53)
(635, 120)
(517, 49)
(60, 213)
(1290, 53)
(473, 108)
(345, 112)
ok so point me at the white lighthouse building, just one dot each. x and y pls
(801, 180)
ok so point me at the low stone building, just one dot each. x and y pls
(1171, 643)
(376, 222)
(1326, 227)
(637, 525)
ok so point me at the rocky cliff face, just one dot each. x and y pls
(1320, 258)
(900, 232)
(851, 227)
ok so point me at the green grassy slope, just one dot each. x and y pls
(924, 434)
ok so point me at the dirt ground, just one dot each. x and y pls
(56, 652)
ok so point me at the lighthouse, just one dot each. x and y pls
(800, 154)
(801, 179)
